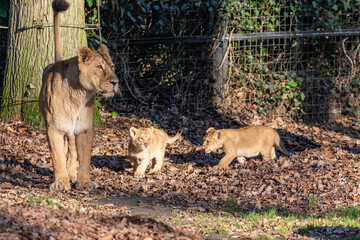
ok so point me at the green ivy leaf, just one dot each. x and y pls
(261, 111)
(90, 2)
(293, 84)
(302, 96)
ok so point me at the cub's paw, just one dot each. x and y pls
(59, 186)
(138, 175)
(155, 171)
(87, 185)
(219, 167)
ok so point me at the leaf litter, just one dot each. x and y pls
(321, 174)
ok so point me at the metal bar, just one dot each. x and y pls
(192, 39)
(301, 34)
(237, 37)
(99, 27)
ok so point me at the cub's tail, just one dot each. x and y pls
(174, 138)
(280, 144)
(58, 6)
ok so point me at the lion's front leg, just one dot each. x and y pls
(226, 160)
(72, 162)
(134, 162)
(141, 169)
(56, 143)
(158, 162)
(84, 142)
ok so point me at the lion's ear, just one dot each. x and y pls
(103, 48)
(217, 134)
(210, 129)
(85, 55)
(133, 131)
(151, 129)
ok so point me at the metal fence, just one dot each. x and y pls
(272, 63)
(265, 51)
(324, 61)
(164, 72)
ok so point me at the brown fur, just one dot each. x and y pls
(244, 142)
(145, 145)
(66, 103)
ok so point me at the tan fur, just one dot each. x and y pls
(244, 142)
(148, 144)
(66, 103)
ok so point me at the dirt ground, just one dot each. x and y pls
(324, 165)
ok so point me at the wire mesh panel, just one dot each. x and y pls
(302, 64)
(294, 59)
(164, 74)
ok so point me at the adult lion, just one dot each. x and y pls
(66, 103)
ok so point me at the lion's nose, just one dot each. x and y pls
(114, 81)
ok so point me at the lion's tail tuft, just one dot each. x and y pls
(60, 5)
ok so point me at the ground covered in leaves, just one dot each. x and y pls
(320, 176)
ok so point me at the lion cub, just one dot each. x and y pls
(244, 142)
(145, 145)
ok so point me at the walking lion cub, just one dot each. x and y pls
(244, 142)
(145, 145)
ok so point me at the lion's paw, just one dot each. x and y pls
(88, 185)
(154, 171)
(219, 167)
(139, 175)
(73, 178)
(59, 186)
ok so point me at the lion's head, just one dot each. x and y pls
(212, 140)
(97, 71)
(141, 137)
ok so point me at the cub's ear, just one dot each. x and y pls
(217, 134)
(85, 55)
(210, 129)
(103, 48)
(133, 131)
(151, 129)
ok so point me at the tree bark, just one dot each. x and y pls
(31, 48)
(220, 67)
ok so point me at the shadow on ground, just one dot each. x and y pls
(331, 232)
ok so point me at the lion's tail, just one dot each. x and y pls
(58, 6)
(174, 138)
(280, 144)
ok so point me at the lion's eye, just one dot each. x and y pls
(100, 67)
(141, 139)
(149, 139)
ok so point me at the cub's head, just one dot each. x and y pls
(97, 71)
(141, 137)
(212, 140)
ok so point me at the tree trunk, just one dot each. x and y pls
(220, 67)
(31, 48)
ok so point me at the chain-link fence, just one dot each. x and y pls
(285, 58)
(296, 64)
(291, 59)
(163, 72)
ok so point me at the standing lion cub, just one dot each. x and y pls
(244, 142)
(145, 145)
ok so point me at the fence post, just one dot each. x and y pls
(220, 67)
